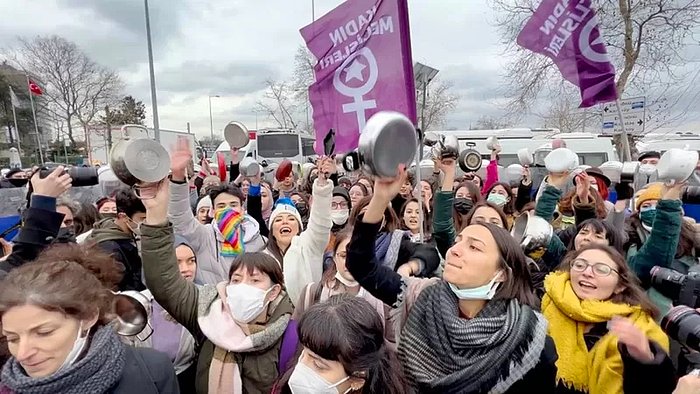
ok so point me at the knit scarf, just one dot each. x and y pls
(228, 221)
(96, 372)
(600, 369)
(444, 353)
(219, 327)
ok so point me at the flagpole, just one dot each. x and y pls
(14, 116)
(36, 125)
(625, 141)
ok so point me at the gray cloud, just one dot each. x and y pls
(199, 77)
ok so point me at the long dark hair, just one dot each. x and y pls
(518, 284)
(349, 330)
(329, 274)
(263, 262)
(480, 204)
(633, 293)
(391, 221)
(427, 217)
(460, 220)
(509, 208)
(612, 235)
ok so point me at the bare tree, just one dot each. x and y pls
(645, 40)
(77, 86)
(486, 122)
(439, 103)
(278, 104)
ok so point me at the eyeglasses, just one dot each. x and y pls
(599, 269)
(339, 205)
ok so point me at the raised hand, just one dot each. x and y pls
(180, 157)
(673, 192)
(583, 187)
(155, 198)
(385, 189)
(627, 333)
(55, 184)
(234, 155)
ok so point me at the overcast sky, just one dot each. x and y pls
(229, 48)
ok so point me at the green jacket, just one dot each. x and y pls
(659, 249)
(180, 299)
(444, 232)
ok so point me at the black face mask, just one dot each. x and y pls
(65, 235)
(302, 208)
(463, 205)
(18, 182)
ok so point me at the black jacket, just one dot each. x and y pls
(122, 248)
(147, 371)
(657, 376)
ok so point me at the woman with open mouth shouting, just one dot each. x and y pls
(475, 329)
(603, 323)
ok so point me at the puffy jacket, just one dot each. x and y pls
(122, 247)
(206, 239)
(303, 260)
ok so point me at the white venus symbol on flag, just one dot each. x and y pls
(353, 69)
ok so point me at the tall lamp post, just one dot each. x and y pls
(211, 118)
(154, 99)
(422, 74)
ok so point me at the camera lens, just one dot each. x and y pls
(682, 323)
(667, 281)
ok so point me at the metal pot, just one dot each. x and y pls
(139, 160)
(491, 143)
(532, 232)
(388, 139)
(470, 159)
(133, 310)
(249, 167)
(525, 157)
(677, 165)
(236, 134)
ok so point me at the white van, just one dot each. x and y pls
(593, 150)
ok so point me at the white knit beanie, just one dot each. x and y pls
(285, 205)
(204, 202)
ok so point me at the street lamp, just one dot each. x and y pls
(154, 99)
(211, 119)
(422, 74)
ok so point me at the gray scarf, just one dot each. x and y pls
(95, 373)
(443, 353)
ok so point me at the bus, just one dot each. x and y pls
(592, 149)
(270, 146)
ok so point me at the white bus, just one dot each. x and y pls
(592, 149)
(269, 147)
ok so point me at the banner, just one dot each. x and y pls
(567, 32)
(13, 99)
(364, 65)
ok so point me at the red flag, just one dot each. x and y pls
(34, 88)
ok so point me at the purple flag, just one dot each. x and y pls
(363, 52)
(567, 32)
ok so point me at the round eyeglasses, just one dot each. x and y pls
(599, 269)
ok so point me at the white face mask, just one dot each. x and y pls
(245, 301)
(340, 216)
(76, 351)
(347, 283)
(485, 292)
(305, 380)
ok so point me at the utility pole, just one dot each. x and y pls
(108, 121)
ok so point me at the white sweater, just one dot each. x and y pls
(303, 261)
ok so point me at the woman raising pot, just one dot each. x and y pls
(55, 316)
(240, 325)
(474, 330)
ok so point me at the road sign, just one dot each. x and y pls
(633, 116)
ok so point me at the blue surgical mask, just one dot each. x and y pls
(647, 215)
(498, 199)
(485, 292)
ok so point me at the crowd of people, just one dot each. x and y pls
(330, 282)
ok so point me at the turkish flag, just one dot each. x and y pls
(34, 88)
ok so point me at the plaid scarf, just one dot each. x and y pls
(444, 353)
(229, 221)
